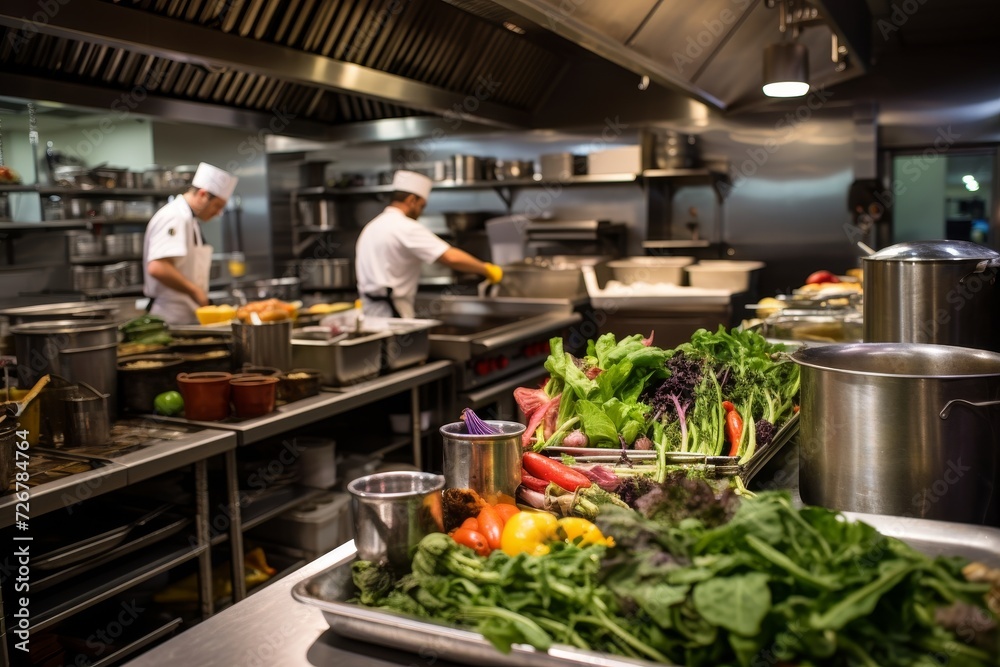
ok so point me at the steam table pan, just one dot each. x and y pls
(329, 591)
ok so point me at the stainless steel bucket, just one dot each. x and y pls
(941, 292)
(265, 344)
(901, 429)
(490, 465)
(393, 511)
(86, 417)
(8, 448)
(79, 351)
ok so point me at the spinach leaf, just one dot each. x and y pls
(737, 603)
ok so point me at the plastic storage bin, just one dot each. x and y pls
(725, 274)
(315, 527)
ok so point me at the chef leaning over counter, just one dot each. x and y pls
(393, 246)
(176, 258)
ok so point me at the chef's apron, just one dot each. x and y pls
(176, 307)
(379, 302)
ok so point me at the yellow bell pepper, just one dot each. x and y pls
(571, 528)
(528, 532)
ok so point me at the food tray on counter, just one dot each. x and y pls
(330, 590)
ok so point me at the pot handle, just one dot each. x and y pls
(946, 410)
(987, 264)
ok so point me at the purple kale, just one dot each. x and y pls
(673, 395)
(765, 432)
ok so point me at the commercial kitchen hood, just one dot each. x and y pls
(339, 68)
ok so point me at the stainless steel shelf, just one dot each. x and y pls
(16, 188)
(104, 259)
(67, 491)
(108, 192)
(325, 404)
(48, 610)
(587, 179)
(279, 501)
(680, 243)
(166, 455)
(48, 225)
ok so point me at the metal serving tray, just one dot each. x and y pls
(329, 591)
(341, 361)
(722, 466)
(409, 343)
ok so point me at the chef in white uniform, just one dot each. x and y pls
(176, 258)
(393, 246)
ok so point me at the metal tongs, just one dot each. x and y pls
(486, 289)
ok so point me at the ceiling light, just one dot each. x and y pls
(968, 178)
(514, 28)
(786, 70)
(972, 186)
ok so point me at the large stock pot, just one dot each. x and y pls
(941, 292)
(901, 429)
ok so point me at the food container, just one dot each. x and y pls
(317, 462)
(115, 276)
(79, 209)
(85, 417)
(8, 449)
(113, 209)
(215, 314)
(77, 350)
(317, 214)
(814, 329)
(206, 395)
(156, 177)
(264, 344)
(342, 360)
(326, 273)
(393, 511)
(409, 343)
(732, 275)
(253, 396)
(298, 383)
(901, 428)
(142, 377)
(84, 245)
(124, 245)
(530, 279)
(182, 175)
(286, 289)
(942, 292)
(490, 465)
(650, 269)
(315, 527)
(562, 166)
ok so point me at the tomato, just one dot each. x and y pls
(471, 523)
(168, 403)
(821, 277)
(472, 539)
(506, 511)
(491, 526)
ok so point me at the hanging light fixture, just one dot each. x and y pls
(786, 70)
(786, 63)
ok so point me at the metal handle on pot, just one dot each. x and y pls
(946, 410)
(93, 348)
(987, 264)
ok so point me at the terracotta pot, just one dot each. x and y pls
(253, 396)
(206, 395)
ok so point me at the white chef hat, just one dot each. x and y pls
(218, 182)
(412, 182)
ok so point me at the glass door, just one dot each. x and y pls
(945, 195)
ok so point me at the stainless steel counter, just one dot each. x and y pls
(325, 404)
(273, 630)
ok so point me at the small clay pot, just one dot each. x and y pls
(206, 395)
(253, 396)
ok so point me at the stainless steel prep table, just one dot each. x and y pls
(329, 404)
(270, 628)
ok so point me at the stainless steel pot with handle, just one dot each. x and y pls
(901, 429)
(941, 292)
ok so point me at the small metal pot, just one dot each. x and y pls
(123, 245)
(87, 277)
(326, 273)
(901, 429)
(942, 292)
(317, 213)
(86, 417)
(286, 289)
